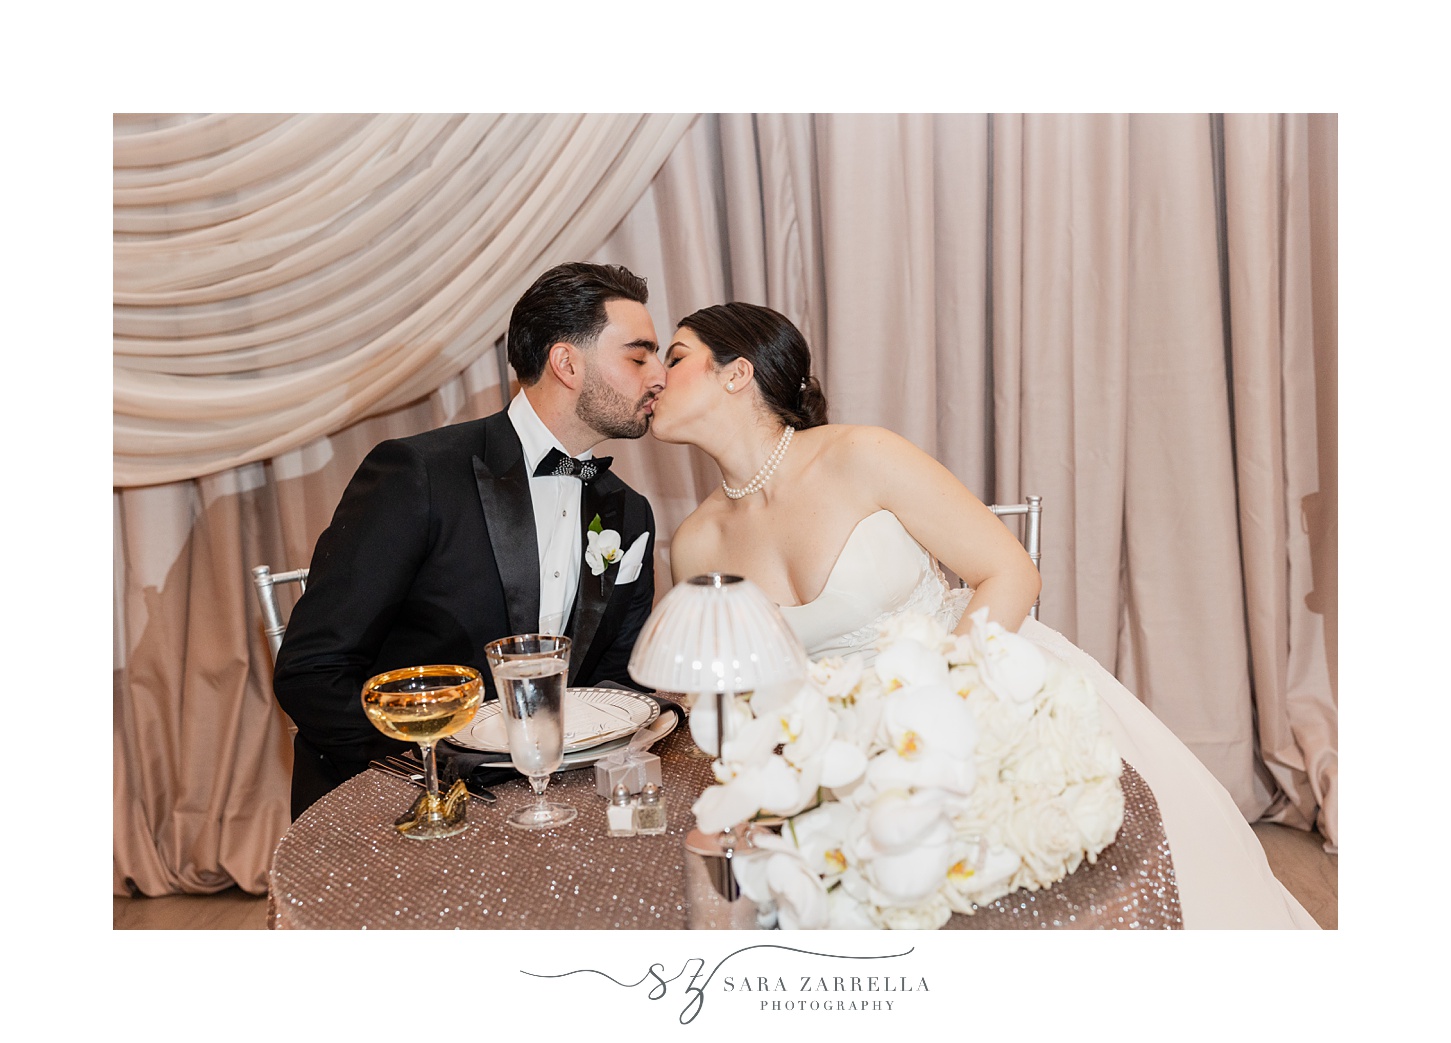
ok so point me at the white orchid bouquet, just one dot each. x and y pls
(953, 771)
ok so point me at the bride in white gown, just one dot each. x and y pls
(831, 521)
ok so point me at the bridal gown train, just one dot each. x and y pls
(1224, 880)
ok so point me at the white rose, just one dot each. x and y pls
(1106, 760)
(1047, 838)
(988, 811)
(927, 915)
(915, 627)
(1041, 765)
(1070, 722)
(1072, 690)
(1001, 726)
(1097, 809)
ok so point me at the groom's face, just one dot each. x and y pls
(623, 373)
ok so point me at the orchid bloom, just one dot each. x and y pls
(1011, 666)
(904, 846)
(602, 550)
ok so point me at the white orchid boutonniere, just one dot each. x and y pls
(602, 548)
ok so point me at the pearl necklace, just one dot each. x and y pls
(767, 469)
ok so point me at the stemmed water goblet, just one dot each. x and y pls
(423, 704)
(529, 674)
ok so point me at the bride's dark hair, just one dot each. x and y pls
(773, 345)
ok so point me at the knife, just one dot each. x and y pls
(417, 779)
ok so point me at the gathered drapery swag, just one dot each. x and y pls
(278, 278)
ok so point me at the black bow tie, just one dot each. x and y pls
(558, 465)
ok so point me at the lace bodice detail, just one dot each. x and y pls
(881, 572)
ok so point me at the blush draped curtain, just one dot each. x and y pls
(1133, 316)
(279, 277)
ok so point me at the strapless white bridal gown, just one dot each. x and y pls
(1219, 865)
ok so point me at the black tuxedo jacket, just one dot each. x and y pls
(431, 555)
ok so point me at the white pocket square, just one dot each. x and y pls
(633, 561)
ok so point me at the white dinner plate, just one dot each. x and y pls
(592, 717)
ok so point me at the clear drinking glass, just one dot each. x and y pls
(529, 675)
(423, 704)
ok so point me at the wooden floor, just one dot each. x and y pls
(1297, 858)
(1299, 861)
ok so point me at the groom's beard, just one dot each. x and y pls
(610, 413)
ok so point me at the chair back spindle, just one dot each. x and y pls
(266, 582)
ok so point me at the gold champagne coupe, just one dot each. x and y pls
(423, 704)
(529, 673)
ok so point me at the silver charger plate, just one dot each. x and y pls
(584, 758)
(593, 717)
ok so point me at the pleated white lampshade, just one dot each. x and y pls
(716, 633)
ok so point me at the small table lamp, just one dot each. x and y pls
(716, 634)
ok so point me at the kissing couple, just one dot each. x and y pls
(449, 539)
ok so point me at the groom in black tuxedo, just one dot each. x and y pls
(444, 541)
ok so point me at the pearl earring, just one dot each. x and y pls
(730, 385)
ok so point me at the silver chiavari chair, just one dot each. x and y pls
(266, 582)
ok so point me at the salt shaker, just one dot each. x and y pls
(621, 813)
(650, 811)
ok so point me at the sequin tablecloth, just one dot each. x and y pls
(342, 865)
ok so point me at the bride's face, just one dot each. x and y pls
(692, 389)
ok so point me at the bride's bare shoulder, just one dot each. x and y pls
(852, 444)
(700, 522)
(697, 541)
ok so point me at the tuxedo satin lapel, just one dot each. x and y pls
(503, 482)
(593, 596)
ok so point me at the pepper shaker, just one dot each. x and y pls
(650, 811)
(621, 813)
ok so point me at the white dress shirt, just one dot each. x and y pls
(556, 518)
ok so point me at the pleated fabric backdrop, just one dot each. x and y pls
(1133, 316)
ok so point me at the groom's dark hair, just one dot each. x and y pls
(777, 352)
(566, 303)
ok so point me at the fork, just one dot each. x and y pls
(401, 769)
